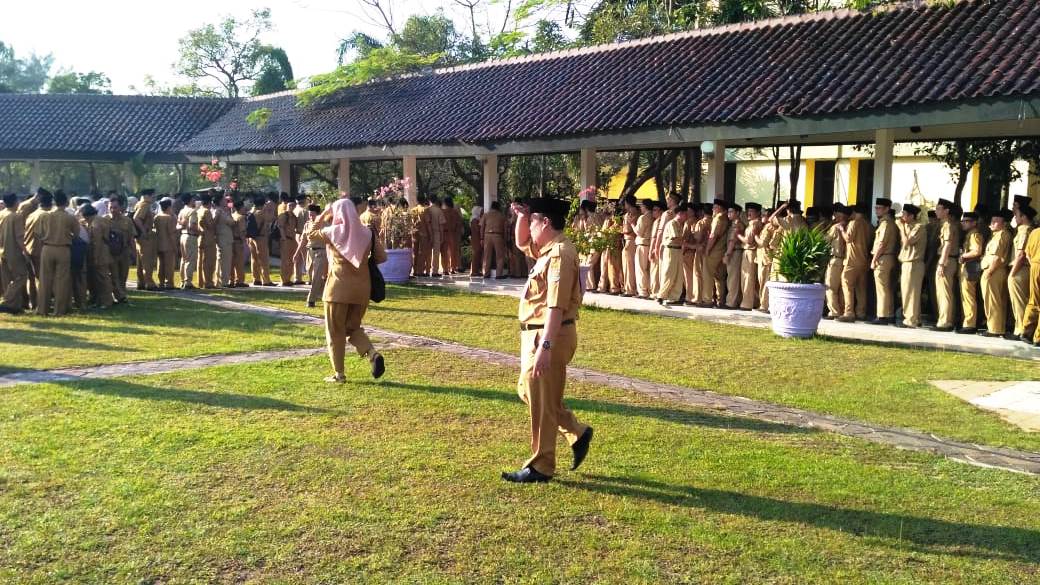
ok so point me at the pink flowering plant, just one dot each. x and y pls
(213, 172)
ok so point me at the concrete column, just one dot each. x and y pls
(343, 177)
(490, 180)
(715, 179)
(883, 146)
(589, 170)
(34, 177)
(285, 177)
(412, 175)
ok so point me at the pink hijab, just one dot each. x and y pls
(348, 235)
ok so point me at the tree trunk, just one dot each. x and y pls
(475, 182)
(962, 171)
(696, 172)
(776, 176)
(796, 170)
(687, 175)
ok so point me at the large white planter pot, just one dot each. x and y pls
(796, 308)
(398, 265)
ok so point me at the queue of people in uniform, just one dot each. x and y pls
(973, 272)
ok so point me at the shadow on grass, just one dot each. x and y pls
(699, 419)
(427, 310)
(932, 535)
(121, 389)
(102, 324)
(50, 339)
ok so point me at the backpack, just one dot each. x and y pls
(252, 226)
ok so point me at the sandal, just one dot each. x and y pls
(336, 379)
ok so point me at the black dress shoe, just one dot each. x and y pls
(378, 366)
(968, 331)
(257, 283)
(941, 329)
(1010, 337)
(988, 334)
(581, 447)
(310, 304)
(525, 475)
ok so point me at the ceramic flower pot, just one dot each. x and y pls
(398, 265)
(796, 308)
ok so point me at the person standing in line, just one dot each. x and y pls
(912, 238)
(734, 257)
(99, 257)
(946, 273)
(188, 223)
(55, 231)
(853, 276)
(748, 267)
(144, 219)
(238, 245)
(207, 242)
(1018, 275)
(165, 227)
(225, 225)
(122, 246)
(994, 274)
(672, 258)
(883, 261)
(286, 222)
(836, 265)
(14, 258)
(300, 211)
(629, 250)
(493, 224)
(970, 259)
(315, 248)
(476, 242)
(643, 228)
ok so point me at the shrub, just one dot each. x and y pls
(802, 256)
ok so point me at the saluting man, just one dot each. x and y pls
(548, 336)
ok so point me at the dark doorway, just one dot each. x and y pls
(865, 182)
(729, 184)
(823, 185)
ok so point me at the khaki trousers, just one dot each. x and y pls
(748, 281)
(544, 397)
(476, 262)
(1032, 312)
(189, 257)
(628, 268)
(655, 277)
(167, 264)
(208, 262)
(260, 259)
(885, 292)
(713, 286)
(969, 299)
(911, 279)
(495, 244)
(671, 274)
(238, 262)
(835, 297)
(733, 276)
(287, 250)
(643, 270)
(33, 282)
(944, 291)
(691, 276)
(100, 276)
(854, 290)
(16, 274)
(1018, 293)
(342, 324)
(764, 273)
(610, 277)
(146, 255)
(591, 279)
(300, 267)
(224, 262)
(995, 295)
(120, 272)
(55, 280)
(435, 259)
(317, 274)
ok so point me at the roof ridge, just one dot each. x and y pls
(109, 96)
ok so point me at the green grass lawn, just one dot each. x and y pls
(152, 327)
(260, 473)
(884, 385)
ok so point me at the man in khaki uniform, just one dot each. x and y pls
(451, 238)
(55, 230)
(671, 203)
(713, 286)
(286, 223)
(1018, 276)
(946, 264)
(238, 245)
(300, 211)
(123, 228)
(14, 258)
(610, 276)
(994, 274)
(314, 247)
(493, 225)
(748, 266)
(144, 218)
(1031, 332)
(912, 239)
(764, 258)
(225, 242)
(437, 223)
(836, 265)
(630, 287)
(853, 276)
(653, 253)
(883, 261)
(259, 245)
(970, 259)
(165, 225)
(420, 221)
(672, 257)
(644, 231)
(693, 251)
(188, 224)
(734, 257)
(207, 242)
(548, 314)
(99, 257)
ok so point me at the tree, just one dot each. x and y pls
(72, 82)
(276, 73)
(27, 75)
(229, 53)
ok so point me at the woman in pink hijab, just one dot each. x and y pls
(348, 244)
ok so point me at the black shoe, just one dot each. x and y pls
(257, 283)
(1010, 337)
(968, 331)
(10, 311)
(1026, 338)
(378, 367)
(311, 305)
(525, 475)
(941, 329)
(988, 334)
(581, 447)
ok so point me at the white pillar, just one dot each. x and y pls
(34, 177)
(716, 177)
(285, 177)
(589, 170)
(490, 180)
(343, 177)
(412, 175)
(883, 145)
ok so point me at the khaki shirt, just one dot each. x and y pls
(207, 224)
(99, 228)
(736, 227)
(12, 234)
(856, 245)
(673, 234)
(751, 242)
(1033, 247)
(1021, 237)
(347, 284)
(188, 221)
(885, 237)
(225, 224)
(287, 225)
(719, 225)
(124, 226)
(32, 240)
(166, 232)
(57, 228)
(437, 221)
(972, 243)
(301, 218)
(998, 250)
(452, 221)
(145, 218)
(493, 222)
(949, 233)
(238, 226)
(913, 240)
(793, 222)
(644, 229)
(628, 226)
(764, 254)
(552, 283)
(837, 242)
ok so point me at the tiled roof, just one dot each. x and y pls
(101, 126)
(818, 65)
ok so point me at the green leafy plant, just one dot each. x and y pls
(802, 256)
(259, 118)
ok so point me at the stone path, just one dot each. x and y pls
(1007, 459)
(148, 368)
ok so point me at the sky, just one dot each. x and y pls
(129, 40)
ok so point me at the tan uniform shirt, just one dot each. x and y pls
(913, 241)
(673, 234)
(885, 237)
(125, 227)
(346, 284)
(736, 227)
(856, 245)
(12, 234)
(552, 284)
(764, 255)
(838, 247)
(998, 250)
(1021, 237)
(749, 234)
(99, 228)
(32, 240)
(165, 232)
(719, 225)
(145, 220)
(644, 229)
(287, 225)
(437, 221)
(973, 244)
(493, 222)
(188, 221)
(949, 233)
(207, 224)
(238, 226)
(57, 228)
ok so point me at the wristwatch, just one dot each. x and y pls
(545, 344)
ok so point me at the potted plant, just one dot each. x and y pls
(395, 230)
(796, 302)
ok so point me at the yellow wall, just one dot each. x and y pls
(810, 183)
(853, 180)
(647, 190)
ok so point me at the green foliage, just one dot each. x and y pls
(23, 75)
(229, 53)
(802, 256)
(430, 35)
(276, 72)
(359, 43)
(72, 82)
(259, 118)
(380, 63)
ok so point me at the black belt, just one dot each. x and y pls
(318, 248)
(674, 247)
(493, 234)
(526, 327)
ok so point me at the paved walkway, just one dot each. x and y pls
(1016, 402)
(1007, 459)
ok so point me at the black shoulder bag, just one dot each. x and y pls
(378, 292)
